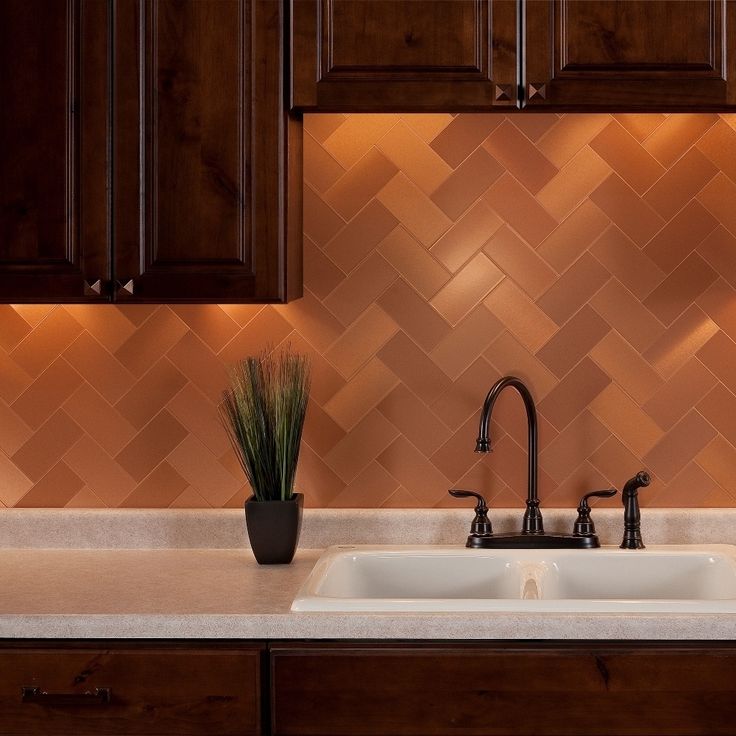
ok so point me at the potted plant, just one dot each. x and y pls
(263, 412)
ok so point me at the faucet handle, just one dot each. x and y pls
(584, 526)
(481, 526)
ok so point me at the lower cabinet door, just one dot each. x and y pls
(626, 689)
(141, 689)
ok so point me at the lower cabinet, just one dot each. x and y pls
(311, 688)
(148, 688)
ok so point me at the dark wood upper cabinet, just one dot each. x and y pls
(625, 55)
(407, 56)
(207, 163)
(146, 152)
(53, 150)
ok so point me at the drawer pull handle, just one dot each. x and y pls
(98, 696)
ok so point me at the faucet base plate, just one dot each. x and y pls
(533, 541)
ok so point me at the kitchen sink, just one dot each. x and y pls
(664, 579)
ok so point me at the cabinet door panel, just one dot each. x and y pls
(419, 55)
(53, 150)
(204, 153)
(629, 55)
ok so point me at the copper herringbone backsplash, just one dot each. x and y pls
(595, 256)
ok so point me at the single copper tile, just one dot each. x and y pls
(264, 331)
(200, 468)
(414, 471)
(676, 134)
(680, 236)
(160, 333)
(521, 316)
(468, 339)
(360, 236)
(157, 490)
(359, 290)
(681, 183)
(518, 260)
(572, 446)
(573, 236)
(626, 420)
(320, 170)
(466, 236)
(518, 155)
(678, 395)
(632, 215)
(99, 367)
(414, 315)
(717, 196)
(151, 445)
(55, 489)
(151, 393)
(414, 368)
(412, 155)
(573, 289)
(321, 275)
(719, 145)
(569, 135)
(680, 289)
(209, 321)
(573, 394)
(369, 489)
(311, 319)
(13, 328)
(321, 431)
(463, 135)
(626, 314)
(366, 389)
(322, 125)
(44, 449)
(574, 340)
(466, 288)
(464, 397)
(359, 342)
(680, 445)
(520, 210)
(414, 209)
(15, 485)
(99, 471)
(718, 459)
(719, 303)
(47, 393)
(414, 419)
(417, 265)
(570, 187)
(466, 184)
(641, 125)
(627, 262)
(46, 342)
(510, 357)
(357, 134)
(321, 222)
(360, 184)
(626, 367)
(368, 439)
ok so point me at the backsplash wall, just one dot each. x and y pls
(593, 255)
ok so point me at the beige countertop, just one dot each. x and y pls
(175, 587)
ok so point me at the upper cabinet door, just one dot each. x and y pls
(409, 56)
(53, 151)
(629, 55)
(207, 162)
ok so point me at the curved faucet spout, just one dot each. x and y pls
(532, 516)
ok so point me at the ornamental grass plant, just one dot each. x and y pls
(263, 412)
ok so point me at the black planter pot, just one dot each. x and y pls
(273, 528)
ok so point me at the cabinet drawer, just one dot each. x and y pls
(495, 689)
(129, 690)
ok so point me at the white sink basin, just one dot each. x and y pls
(666, 579)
